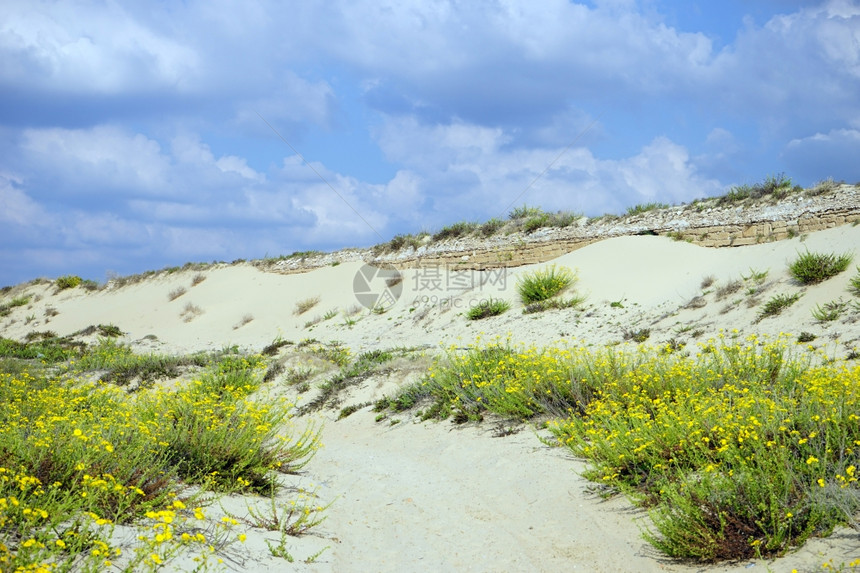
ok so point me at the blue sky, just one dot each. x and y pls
(131, 135)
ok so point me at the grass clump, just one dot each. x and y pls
(350, 374)
(813, 268)
(829, 311)
(645, 207)
(777, 304)
(487, 308)
(737, 450)
(556, 303)
(544, 284)
(6, 307)
(777, 186)
(525, 212)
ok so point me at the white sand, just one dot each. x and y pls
(435, 497)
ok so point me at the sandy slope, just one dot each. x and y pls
(434, 497)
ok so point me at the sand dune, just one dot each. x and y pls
(435, 497)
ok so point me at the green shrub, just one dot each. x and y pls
(68, 281)
(486, 308)
(544, 284)
(812, 268)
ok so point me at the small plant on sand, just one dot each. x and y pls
(639, 335)
(777, 304)
(190, 312)
(305, 305)
(245, 320)
(486, 308)
(556, 303)
(729, 288)
(756, 276)
(829, 311)
(544, 284)
(806, 337)
(109, 330)
(68, 281)
(812, 268)
(197, 279)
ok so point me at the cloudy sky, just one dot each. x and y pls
(137, 135)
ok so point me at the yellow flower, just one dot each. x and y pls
(242, 537)
(811, 460)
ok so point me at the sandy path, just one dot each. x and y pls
(433, 497)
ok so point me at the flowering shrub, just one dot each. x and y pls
(80, 458)
(742, 449)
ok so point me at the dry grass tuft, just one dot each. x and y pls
(176, 293)
(305, 305)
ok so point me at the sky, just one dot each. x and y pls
(140, 135)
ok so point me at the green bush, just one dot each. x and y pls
(486, 308)
(812, 268)
(68, 281)
(544, 284)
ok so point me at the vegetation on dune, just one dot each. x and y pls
(812, 268)
(487, 308)
(741, 450)
(79, 458)
(543, 284)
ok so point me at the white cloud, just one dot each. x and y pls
(106, 156)
(467, 170)
(16, 208)
(82, 46)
